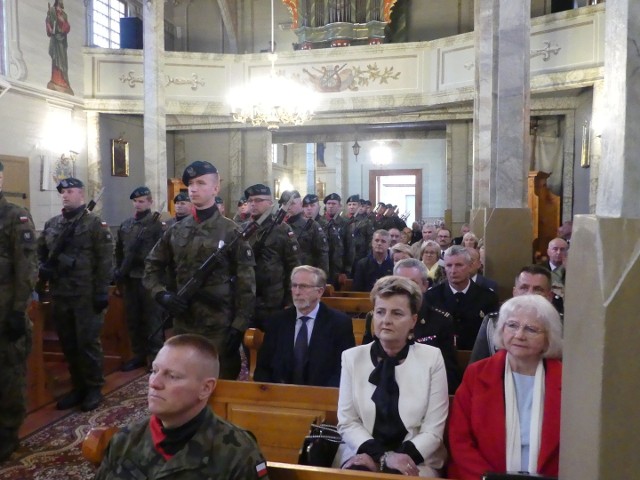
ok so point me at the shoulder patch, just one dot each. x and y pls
(261, 469)
(249, 253)
(104, 224)
(290, 233)
(24, 219)
(27, 237)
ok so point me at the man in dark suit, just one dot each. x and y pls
(467, 302)
(303, 345)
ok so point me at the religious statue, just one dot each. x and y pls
(57, 29)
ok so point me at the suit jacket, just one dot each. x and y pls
(332, 333)
(486, 282)
(468, 314)
(477, 423)
(423, 402)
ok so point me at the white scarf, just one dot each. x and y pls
(513, 420)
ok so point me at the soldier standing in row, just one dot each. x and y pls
(242, 214)
(18, 268)
(277, 253)
(311, 209)
(361, 227)
(223, 306)
(136, 237)
(183, 206)
(332, 219)
(75, 251)
(314, 249)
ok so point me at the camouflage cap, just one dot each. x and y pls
(353, 198)
(332, 196)
(197, 169)
(181, 197)
(69, 183)
(257, 189)
(310, 198)
(140, 192)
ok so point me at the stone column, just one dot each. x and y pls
(94, 159)
(257, 158)
(155, 121)
(600, 430)
(501, 137)
(598, 117)
(458, 174)
(235, 185)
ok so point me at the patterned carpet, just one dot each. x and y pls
(53, 453)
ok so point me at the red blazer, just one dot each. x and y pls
(477, 425)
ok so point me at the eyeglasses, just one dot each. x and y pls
(303, 286)
(529, 331)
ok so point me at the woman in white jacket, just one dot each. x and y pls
(393, 393)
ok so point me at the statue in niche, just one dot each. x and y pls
(57, 30)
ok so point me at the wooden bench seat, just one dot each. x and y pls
(286, 471)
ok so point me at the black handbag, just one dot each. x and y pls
(320, 446)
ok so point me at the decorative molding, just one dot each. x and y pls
(131, 78)
(338, 78)
(194, 81)
(469, 65)
(17, 65)
(545, 52)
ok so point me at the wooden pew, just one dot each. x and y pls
(286, 471)
(463, 356)
(347, 284)
(358, 329)
(37, 393)
(253, 338)
(356, 307)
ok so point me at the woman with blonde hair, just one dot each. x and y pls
(430, 256)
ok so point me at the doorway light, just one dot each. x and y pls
(381, 154)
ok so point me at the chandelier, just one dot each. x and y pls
(272, 100)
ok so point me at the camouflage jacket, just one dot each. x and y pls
(344, 232)
(314, 248)
(126, 242)
(18, 263)
(218, 451)
(85, 263)
(229, 292)
(276, 256)
(362, 229)
(336, 247)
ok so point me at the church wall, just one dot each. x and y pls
(581, 176)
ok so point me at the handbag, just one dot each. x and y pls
(320, 446)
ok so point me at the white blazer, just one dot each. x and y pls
(423, 403)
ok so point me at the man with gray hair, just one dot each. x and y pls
(376, 265)
(467, 302)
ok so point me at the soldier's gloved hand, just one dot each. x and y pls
(16, 326)
(100, 302)
(233, 341)
(172, 302)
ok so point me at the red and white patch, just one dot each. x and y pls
(261, 469)
(104, 224)
(291, 234)
(24, 219)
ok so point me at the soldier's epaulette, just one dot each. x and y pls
(444, 313)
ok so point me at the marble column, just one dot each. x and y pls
(94, 159)
(600, 430)
(501, 137)
(235, 185)
(458, 174)
(257, 158)
(155, 120)
(598, 117)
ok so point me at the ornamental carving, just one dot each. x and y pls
(338, 78)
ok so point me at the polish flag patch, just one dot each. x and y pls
(261, 469)
(24, 219)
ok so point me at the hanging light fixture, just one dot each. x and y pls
(356, 149)
(273, 100)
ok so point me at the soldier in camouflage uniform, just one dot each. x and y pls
(136, 237)
(361, 226)
(277, 253)
(79, 280)
(183, 439)
(182, 205)
(224, 304)
(333, 207)
(311, 209)
(18, 269)
(314, 249)
(242, 214)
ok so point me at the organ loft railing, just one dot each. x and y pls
(339, 23)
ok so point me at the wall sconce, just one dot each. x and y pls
(356, 149)
(585, 161)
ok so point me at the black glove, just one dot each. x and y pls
(100, 302)
(233, 341)
(16, 326)
(172, 302)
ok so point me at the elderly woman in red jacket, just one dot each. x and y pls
(506, 413)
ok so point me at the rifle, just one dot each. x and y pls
(278, 219)
(56, 258)
(195, 283)
(127, 261)
(374, 213)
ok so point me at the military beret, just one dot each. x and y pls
(139, 192)
(382, 204)
(181, 197)
(219, 200)
(69, 183)
(310, 198)
(353, 198)
(363, 201)
(332, 196)
(388, 205)
(1, 167)
(257, 189)
(367, 202)
(286, 196)
(197, 169)
(242, 201)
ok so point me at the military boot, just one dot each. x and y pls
(92, 399)
(9, 443)
(71, 399)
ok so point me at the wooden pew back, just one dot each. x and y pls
(285, 471)
(357, 307)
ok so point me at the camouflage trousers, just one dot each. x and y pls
(78, 328)
(13, 375)
(144, 319)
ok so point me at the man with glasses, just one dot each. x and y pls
(277, 253)
(443, 238)
(303, 345)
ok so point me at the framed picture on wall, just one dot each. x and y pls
(321, 189)
(119, 158)
(55, 168)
